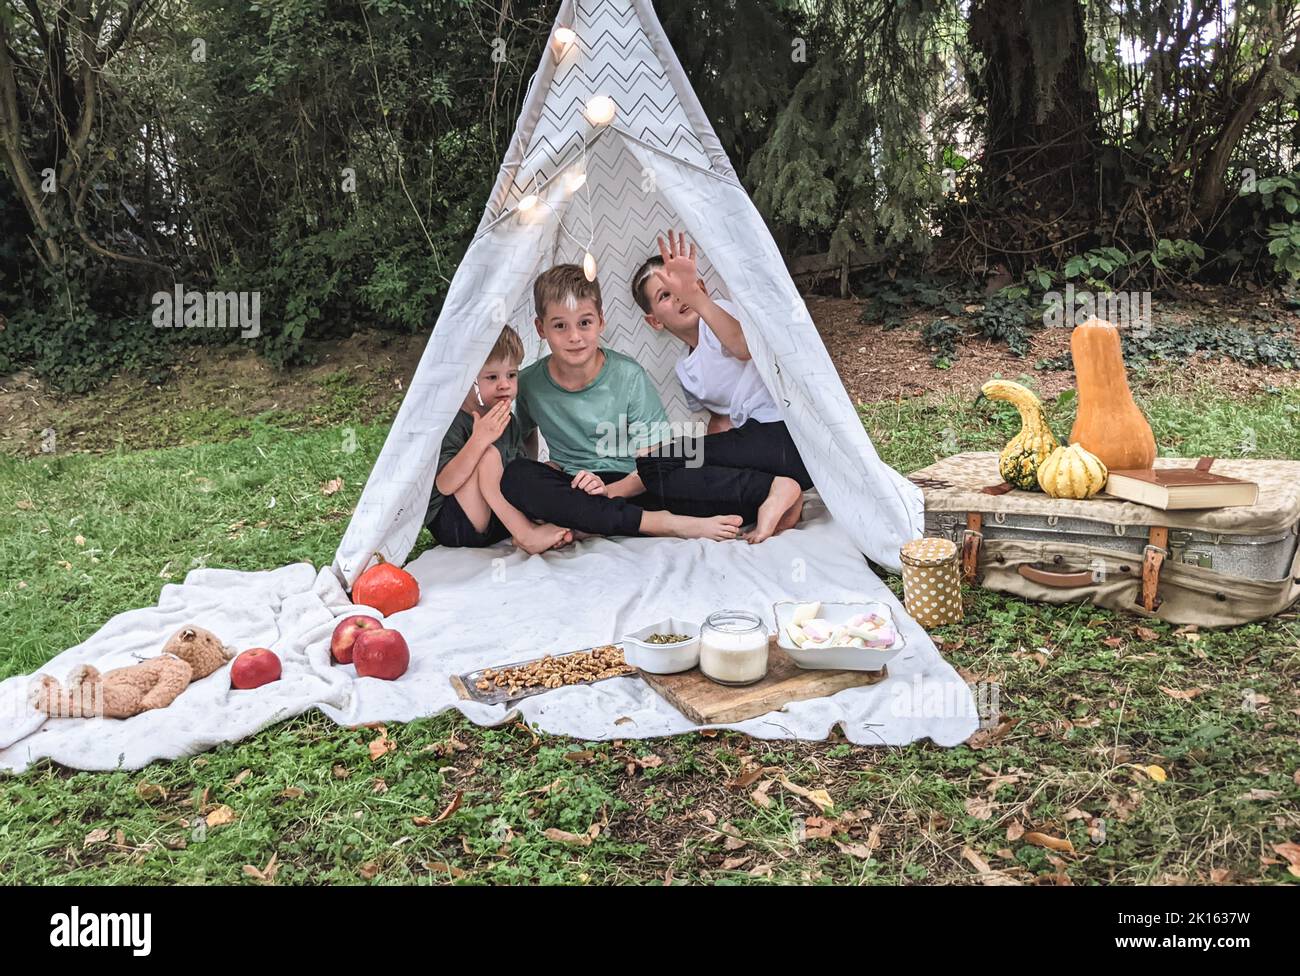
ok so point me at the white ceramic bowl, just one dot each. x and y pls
(663, 658)
(837, 658)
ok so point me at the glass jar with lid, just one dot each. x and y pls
(733, 647)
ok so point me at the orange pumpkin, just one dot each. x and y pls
(387, 588)
(1109, 424)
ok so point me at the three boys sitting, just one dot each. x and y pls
(599, 412)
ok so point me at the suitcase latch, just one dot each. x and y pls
(1180, 541)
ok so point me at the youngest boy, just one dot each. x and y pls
(467, 508)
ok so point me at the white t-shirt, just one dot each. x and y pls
(717, 381)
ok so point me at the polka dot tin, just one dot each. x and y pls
(932, 582)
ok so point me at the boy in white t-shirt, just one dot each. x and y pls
(746, 430)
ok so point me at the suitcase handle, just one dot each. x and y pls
(1060, 581)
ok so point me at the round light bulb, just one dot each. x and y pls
(601, 110)
(527, 203)
(564, 36)
(589, 266)
(576, 181)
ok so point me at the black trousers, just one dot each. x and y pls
(754, 447)
(544, 494)
(452, 527)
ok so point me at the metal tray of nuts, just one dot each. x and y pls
(523, 679)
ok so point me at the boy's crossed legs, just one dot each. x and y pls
(481, 501)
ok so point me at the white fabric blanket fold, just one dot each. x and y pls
(487, 607)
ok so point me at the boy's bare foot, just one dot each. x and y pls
(539, 538)
(719, 528)
(784, 494)
(791, 517)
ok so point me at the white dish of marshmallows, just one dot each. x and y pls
(838, 636)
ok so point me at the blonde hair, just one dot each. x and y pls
(508, 347)
(565, 283)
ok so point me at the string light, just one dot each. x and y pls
(527, 203)
(564, 36)
(575, 181)
(601, 110)
(589, 266)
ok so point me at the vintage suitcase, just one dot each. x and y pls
(1213, 567)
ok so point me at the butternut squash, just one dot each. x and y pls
(1109, 424)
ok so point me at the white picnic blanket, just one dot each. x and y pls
(486, 607)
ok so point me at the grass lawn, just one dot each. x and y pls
(1159, 756)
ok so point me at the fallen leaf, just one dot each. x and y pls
(379, 785)
(746, 779)
(760, 797)
(1220, 875)
(1157, 773)
(442, 867)
(1114, 642)
(819, 828)
(987, 875)
(708, 816)
(986, 738)
(97, 836)
(369, 870)
(450, 808)
(80, 540)
(762, 871)
(331, 487)
(1050, 842)
(221, 816)
(1186, 695)
(341, 772)
(585, 756)
(1257, 794)
(119, 836)
(734, 841)
(1015, 830)
(292, 793)
(150, 791)
(564, 837)
(267, 874)
(731, 863)
(980, 807)
(243, 775)
(1147, 634)
(818, 798)
(382, 745)
(24, 503)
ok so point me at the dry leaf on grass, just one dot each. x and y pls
(818, 798)
(819, 828)
(1015, 830)
(382, 745)
(150, 791)
(97, 836)
(733, 841)
(1258, 794)
(1157, 773)
(221, 816)
(292, 793)
(442, 867)
(450, 808)
(760, 797)
(746, 779)
(1185, 695)
(267, 874)
(564, 837)
(585, 756)
(731, 863)
(1146, 633)
(243, 775)
(1051, 843)
(987, 875)
(980, 807)
(864, 850)
(332, 486)
(368, 870)
(986, 738)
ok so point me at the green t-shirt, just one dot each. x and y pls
(601, 426)
(510, 444)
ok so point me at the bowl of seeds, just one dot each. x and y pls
(666, 647)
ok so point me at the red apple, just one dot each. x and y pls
(381, 654)
(254, 667)
(346, 633)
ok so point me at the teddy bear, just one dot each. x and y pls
(191, 653)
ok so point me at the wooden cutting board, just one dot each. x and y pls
(706, 702)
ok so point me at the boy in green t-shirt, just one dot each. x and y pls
(467, 508)
(597, 408)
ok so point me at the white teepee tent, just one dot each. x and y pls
(573, 183)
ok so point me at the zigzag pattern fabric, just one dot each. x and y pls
(658, 165)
